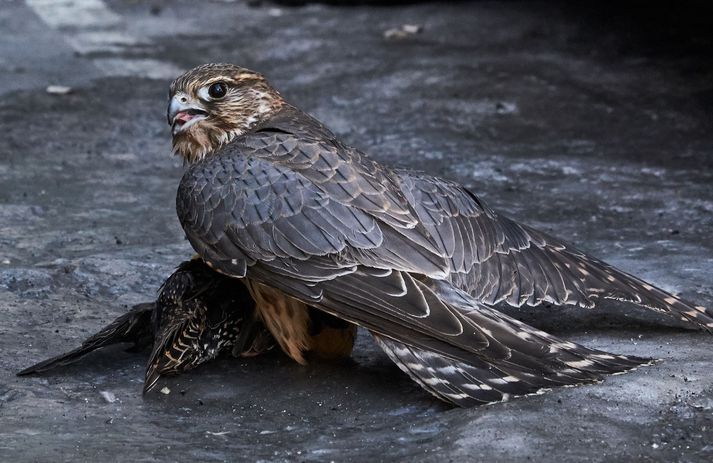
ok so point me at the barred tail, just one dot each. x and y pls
(467, 385)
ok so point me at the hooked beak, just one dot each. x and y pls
(183, 113)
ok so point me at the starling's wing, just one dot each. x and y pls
(496, 259)
(132, 327)
(199, 313)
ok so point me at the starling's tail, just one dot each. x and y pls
(134, 327)
(174, 350)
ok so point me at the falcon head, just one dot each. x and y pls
(212, 104)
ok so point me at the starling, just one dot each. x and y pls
(198, 315)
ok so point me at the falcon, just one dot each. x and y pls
(272, 197)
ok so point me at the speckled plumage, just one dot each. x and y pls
(198, 315)
(417, 260)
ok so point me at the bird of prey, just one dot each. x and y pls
(272, 197)
(198, 315)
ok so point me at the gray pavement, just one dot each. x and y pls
(594, 125)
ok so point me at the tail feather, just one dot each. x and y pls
(134, 327)
(176, 346)
(466, 385)
(457, 348)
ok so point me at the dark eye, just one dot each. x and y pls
(217, 90)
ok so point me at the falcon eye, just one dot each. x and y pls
(217, 90)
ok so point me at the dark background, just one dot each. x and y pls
(591, 121)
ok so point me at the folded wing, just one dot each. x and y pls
(498, 260)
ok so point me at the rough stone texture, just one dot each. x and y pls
(594, 125)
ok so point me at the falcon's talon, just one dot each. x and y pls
(272, 196)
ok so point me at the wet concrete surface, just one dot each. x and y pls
(597, 127)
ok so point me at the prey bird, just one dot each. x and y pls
(198, 315)
(272, 197)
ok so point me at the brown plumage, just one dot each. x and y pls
(419, 261)
(246, 92)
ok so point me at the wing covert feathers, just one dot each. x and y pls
(291, 191)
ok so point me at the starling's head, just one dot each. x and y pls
(212, 104)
